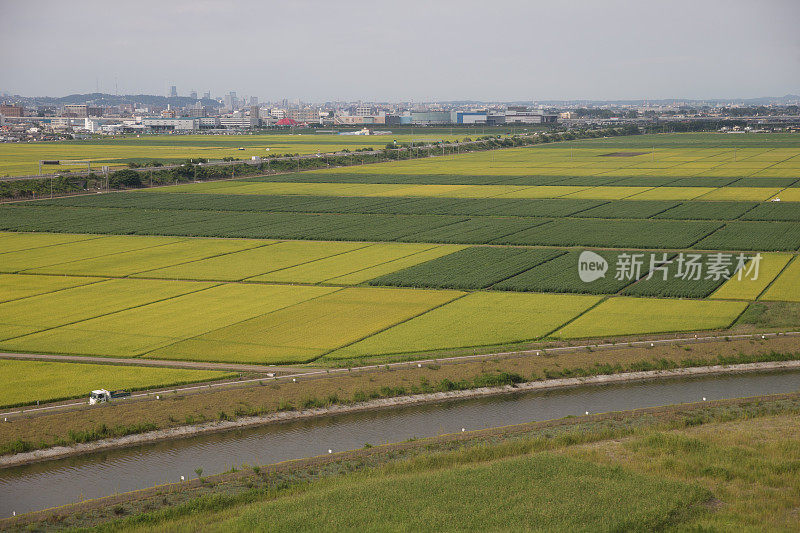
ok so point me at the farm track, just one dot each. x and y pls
(294, 373)
(386, 403)
(127, 361)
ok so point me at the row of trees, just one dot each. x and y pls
(199, 170)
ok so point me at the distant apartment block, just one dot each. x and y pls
(307, 114)
(522, 115)
(12, 110)
(81, 111)
(365, 111)
(171, 124)
(431, 117)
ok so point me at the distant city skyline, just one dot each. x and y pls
(352, 50)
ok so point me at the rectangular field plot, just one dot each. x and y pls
(539, 207)
(703, 182)
(360, 276)
(614, 233)
(644, 181)
(562, 275)
(12, 242)
(707, 211)
(139, 330)
(607, 192)
(358, 227)
(74, 251)
(306, 331)
(624, 315)
(36, 313)
(777, 211)
(478, 230)
(748, 288)
(544, 191)
(138, 261)
(360, 189)
(628, 209)
(787, 287)
(790, 195)
(780, 183)
(472, 268)
(478, 319)
(253, 262)
(48, 381)
(763, 236)
(16, 286)
(672, 193)
(672, 278)
(342, 265)
(758, 194)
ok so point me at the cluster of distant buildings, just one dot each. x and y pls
(232, 113)
(25, 119)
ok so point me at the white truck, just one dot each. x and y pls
(102, 396)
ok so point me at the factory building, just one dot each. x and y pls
(171, 124)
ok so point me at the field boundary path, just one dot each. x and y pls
(127, 361)
(335, 153)
(280, 373)
(383, 403)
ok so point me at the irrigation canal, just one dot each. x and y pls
(61, 481)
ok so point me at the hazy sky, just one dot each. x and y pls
(404, 49)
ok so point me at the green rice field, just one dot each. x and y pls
(458, 253)
(22, 159)
(47, 381)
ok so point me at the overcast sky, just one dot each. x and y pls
(404, 49)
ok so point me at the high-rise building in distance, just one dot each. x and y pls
(173, 91)
(231, 102)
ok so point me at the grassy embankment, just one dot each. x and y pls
(728, 465)
(43, 431)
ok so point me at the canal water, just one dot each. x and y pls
(62, 481)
